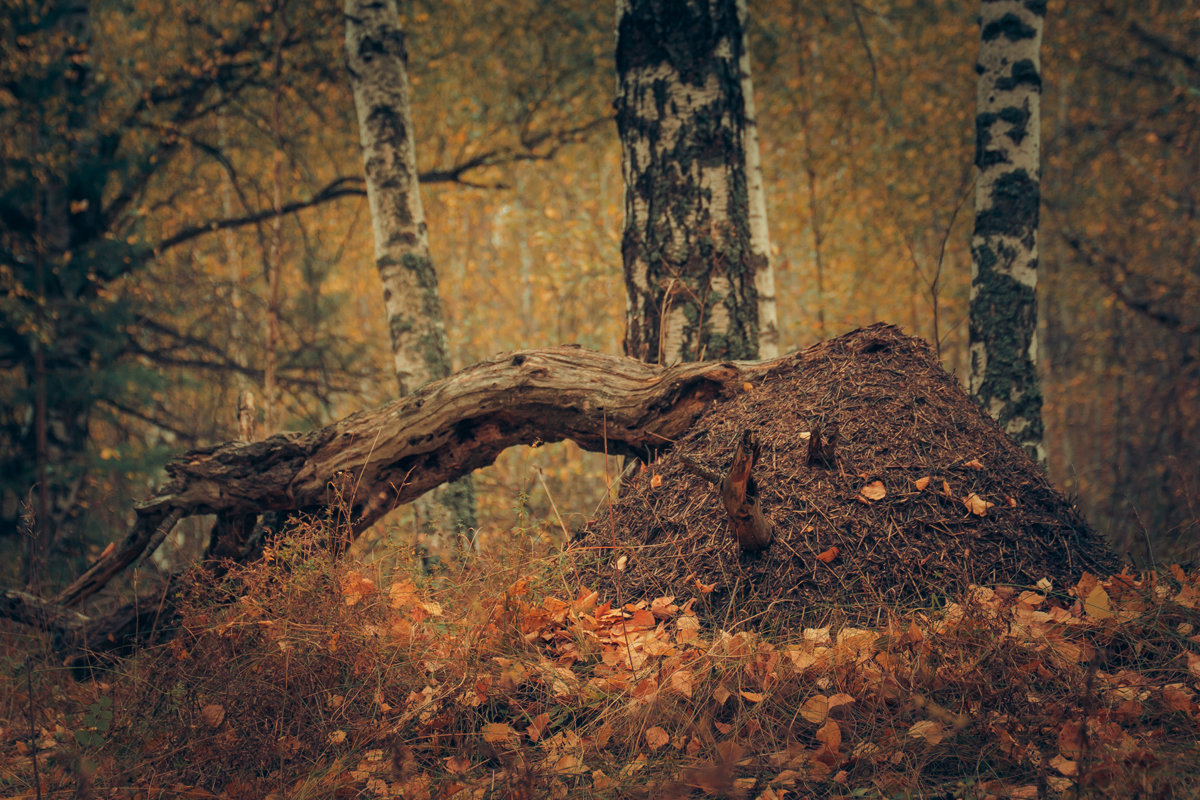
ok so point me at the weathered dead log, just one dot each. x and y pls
(32, 610)
(450, 427)
(378, 459)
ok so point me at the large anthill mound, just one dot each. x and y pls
(924, 495)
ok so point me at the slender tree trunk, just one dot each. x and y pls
(40, 532)
(1004, 255)
(760, 237)
(691, 260)
(247, 423)
(379, 76)
(275, 253)
(805, 72)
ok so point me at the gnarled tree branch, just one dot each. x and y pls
(384, 457)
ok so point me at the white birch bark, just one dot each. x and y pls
(377, 63)
(760, 236)
(690, 262)
(1004, 254)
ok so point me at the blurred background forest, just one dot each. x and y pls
(177, 290)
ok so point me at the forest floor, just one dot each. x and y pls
(306, 677)
(930, 620)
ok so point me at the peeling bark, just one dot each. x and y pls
(691, 260)
(377, 60)
(1004, 251)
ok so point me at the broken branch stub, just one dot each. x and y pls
(822, 452)
(739, 494)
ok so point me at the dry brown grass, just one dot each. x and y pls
(304, 677)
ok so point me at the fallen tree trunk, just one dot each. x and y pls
(375, 460)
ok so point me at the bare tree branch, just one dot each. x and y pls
(1115, 276)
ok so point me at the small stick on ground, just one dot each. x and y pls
(822, 453)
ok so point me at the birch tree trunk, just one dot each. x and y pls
(377, 62)
(692, 260)
(760, 236)
(274, 252)
(1004, 254)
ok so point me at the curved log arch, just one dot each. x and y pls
(388, 456)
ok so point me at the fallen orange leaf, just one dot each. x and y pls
(830, 735)
(872, 491)
(457, 764)
(1096, 604)
(828, 555)
(213, 715)
(976, 504)
(682, 682)
(1065, 765)
(538, 725)
(815, 709)
(656, 737)
(932, 732)
(497, 732)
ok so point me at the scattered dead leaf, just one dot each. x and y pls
(656, 737)
(873, 491)
(817, 708)
(932, 732)
(830, 735)
(976, 504)
(1096, 604)
(212, 715)
(537, 727)
(458, 764)
(828, 556)
(682, 682)
(355, 587)
(498, 733)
